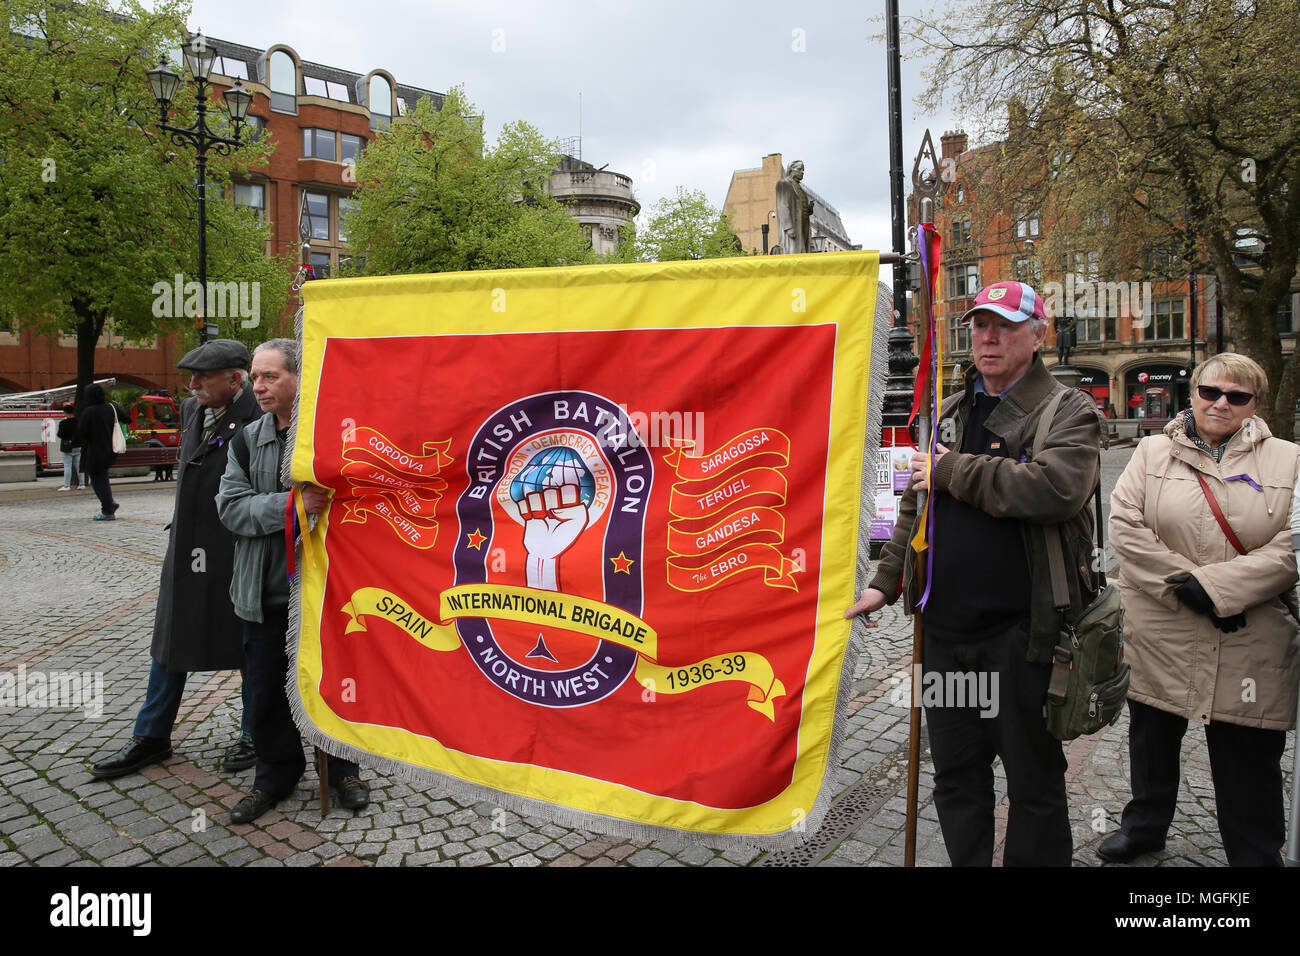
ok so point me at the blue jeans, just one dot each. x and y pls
(72, 468)
(163, 699)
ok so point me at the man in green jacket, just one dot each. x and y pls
(989, 621)
(251, 504)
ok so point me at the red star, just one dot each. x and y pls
(622, 563)
(476, 540)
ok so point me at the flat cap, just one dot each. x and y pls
(214, 355)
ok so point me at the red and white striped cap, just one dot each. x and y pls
(1015, 301)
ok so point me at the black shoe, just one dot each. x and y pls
(1119, 847)
(140, 752)
(253, 806)
(352, 793)
(239, 757)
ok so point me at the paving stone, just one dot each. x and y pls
(132, 857)
(647, 858)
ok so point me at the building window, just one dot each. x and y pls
(253, 196)
(1164, 261)
(346, 206)
(1086, 266)
(318, 215)
(229, 66)
(1027, 225)
(1028, 270)
(284, 83)
(1165, 320)
(960, 232)
(315, 86)
(318, 144)
(961, 194)
(351, 265)
(380, 102)
(1088, 328)
(1286, 316)
(958, 336)
(320, 264)
(963, 281)
(253, 127)
(350, 147)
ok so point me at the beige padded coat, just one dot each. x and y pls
(1160, 525)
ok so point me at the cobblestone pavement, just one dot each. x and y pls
(79, 597)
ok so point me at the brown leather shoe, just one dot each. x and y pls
(253, 806)
(352, 793)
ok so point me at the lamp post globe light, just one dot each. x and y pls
(199, 56)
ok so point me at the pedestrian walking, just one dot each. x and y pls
(95, 430)
(70, 450)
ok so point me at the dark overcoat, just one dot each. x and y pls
(95, 429)
(195, 628)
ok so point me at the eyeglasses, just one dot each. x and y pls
(1211, 394)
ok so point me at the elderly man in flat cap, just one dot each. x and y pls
(195, 627)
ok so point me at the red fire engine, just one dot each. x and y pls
(29, 421)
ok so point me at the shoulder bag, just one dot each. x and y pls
(1089, 674)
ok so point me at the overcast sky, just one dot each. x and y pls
(674, 93)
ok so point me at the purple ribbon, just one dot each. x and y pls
(1247, 479)
(923, 247)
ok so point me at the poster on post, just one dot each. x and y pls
(591, 533)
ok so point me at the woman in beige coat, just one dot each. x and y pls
(1209, 628)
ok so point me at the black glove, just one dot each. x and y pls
(1190, 592)
(1229, 624)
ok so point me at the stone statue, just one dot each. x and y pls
(793, 211)
(1065, 338)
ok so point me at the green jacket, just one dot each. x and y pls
(252, 506)
(1054, 488)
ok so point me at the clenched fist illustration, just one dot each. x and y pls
(552, 493)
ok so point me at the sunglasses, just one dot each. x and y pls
(1211, 394)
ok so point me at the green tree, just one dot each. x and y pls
(433, 196)
(1148, 130)
(684, 226)
(96, 206)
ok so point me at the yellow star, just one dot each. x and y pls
(476, 540)
(622, 563)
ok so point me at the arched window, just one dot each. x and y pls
(380, 102)
(284, 83)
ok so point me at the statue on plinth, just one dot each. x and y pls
(793, 211)
(1065, 338)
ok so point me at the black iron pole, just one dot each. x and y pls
(202, 147)
(203, 139)
(896, 202)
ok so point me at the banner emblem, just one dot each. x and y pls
(548, 473)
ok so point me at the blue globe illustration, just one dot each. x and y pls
(553, 468)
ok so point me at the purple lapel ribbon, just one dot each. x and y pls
(1247, 479)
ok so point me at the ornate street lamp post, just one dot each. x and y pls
(199, 55)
